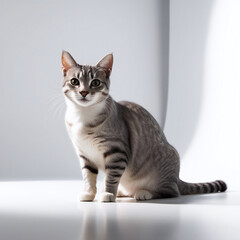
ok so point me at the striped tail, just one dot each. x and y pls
(198, 188)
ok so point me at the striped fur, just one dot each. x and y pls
(197, 188)
(91, 169)
(120, 138)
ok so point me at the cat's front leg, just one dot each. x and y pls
(114, 170)
(89, 173)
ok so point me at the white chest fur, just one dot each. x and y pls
(76, 121)
(85, 145)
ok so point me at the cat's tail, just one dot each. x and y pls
(198, 188)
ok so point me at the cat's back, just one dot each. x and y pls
(140, 122)
(133, 112)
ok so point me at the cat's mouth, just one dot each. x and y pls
(84, 100)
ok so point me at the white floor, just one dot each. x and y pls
(50, 210)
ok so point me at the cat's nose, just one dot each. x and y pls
(84, 93)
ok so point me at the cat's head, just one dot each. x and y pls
(86, 85)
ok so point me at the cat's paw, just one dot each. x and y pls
(141, 195)
(107, 197)
(86, 196)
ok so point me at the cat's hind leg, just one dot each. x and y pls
(168, 191)
(142, 194)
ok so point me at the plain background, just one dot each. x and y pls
(200, 98)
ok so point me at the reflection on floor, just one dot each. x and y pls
(50, 210)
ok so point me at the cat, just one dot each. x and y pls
(120, 138)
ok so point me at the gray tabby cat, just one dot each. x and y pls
(120, 138)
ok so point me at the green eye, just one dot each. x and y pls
(74, 82)
(95, 83)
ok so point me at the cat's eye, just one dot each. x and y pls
(95, 83)
(75, 82)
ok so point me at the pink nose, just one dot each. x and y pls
(84, 93)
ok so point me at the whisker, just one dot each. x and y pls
(54, 96)
(59, 111)
(55, 103)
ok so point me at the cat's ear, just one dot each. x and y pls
(67, 62)
(106, 63)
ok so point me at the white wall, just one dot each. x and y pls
(203, 115)
(33, 139)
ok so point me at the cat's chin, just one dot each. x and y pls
(91, 102)
(84, 103)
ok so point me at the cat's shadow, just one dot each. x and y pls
(228, 198)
